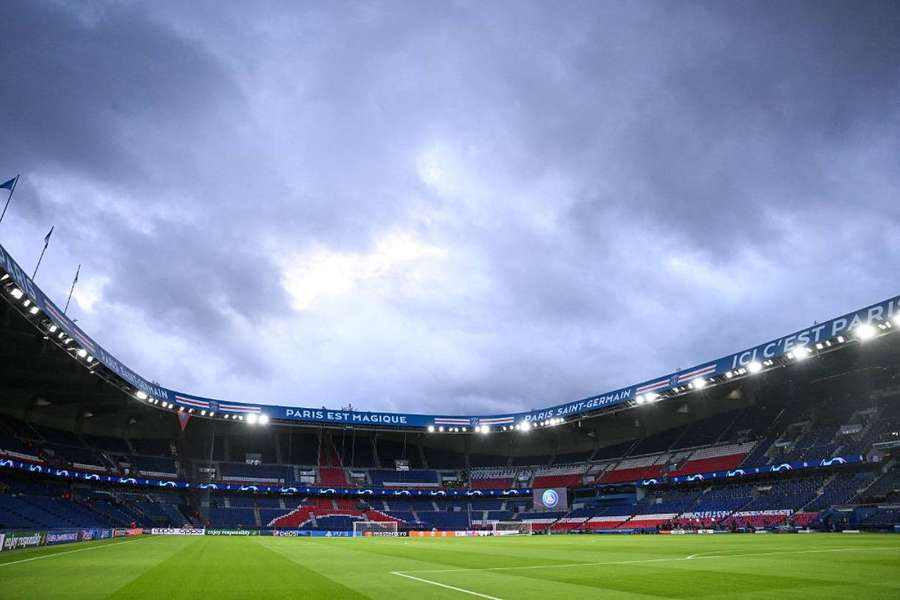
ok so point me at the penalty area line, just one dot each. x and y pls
(445, 586)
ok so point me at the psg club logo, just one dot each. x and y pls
(550, 498)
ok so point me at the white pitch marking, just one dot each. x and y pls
(649, 560)
(25, 560)
(444, 585)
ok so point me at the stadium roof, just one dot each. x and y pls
(854, 327)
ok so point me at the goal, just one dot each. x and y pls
(512, 528)
(375, 529)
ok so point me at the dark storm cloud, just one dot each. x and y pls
(467, 205)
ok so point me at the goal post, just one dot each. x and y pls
(512, 528)
(375, 529)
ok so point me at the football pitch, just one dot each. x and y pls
(610, 567)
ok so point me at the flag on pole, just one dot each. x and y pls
(11, 186)
(72, 289)
(44, 249)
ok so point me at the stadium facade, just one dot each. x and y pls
(795, 432)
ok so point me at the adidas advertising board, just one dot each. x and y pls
(174, 531)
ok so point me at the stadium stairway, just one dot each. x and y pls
(821, 490)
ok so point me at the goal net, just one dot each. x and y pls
(512, 528)
(374, 528)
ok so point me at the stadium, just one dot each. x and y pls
(796, 438)
(437, 300)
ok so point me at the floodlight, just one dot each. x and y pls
(799, 353)
(431, 429)
(441, 429)
(16, 293)
(896, 319)
(82, 353)
(865, 332)
(485, 429)
(4, 277)
(754, 367)
(263, 419)
(141, 395)
(698, 383)
(34, 310)
(26, 303)
(526, 425)
(53, 328)
(252, 418)
(202, 413)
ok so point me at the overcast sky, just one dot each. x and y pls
(462, 207)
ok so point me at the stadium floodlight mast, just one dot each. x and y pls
(648, 398)
(865, 332)
(799, 353)
(258, 419)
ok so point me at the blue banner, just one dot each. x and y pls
(163, 484)
(851, 459)
(774, 349)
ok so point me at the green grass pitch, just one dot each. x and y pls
(814, 566)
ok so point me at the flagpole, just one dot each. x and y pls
(72, 289)
(9, 197)
(41, 257)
